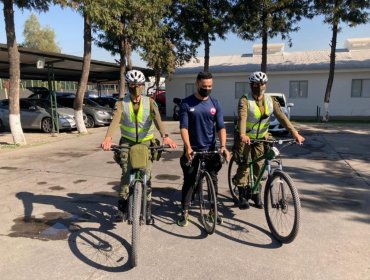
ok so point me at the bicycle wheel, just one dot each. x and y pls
(208, 203)
(282, 207)
(230, 176)
(136, 209)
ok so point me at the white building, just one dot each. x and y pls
(302, 76)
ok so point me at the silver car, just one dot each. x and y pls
(36, 114)
(275, 125)
(96, 115)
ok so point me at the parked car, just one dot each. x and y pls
(39, 91)
(46, 94)
(275, 126)
(96, 114)
(36, 114)
(176, 108)
(105, 101)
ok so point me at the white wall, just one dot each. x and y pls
(341, 103)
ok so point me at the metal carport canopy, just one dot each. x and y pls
(65, 67)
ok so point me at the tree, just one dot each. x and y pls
(91, 10)
(336, 12)
(161, 57)
(129, 25)
(266, 19)
(39, 38)
(201, 21)
(14, 67)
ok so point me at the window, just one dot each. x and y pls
(298, 89)
(241, 88)
(360, 88)
(189, 89)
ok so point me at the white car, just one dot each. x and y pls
(275, 126)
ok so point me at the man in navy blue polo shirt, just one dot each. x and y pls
(200, 120)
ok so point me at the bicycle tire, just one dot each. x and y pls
(136, 210)
(280, 187)
(207, 203)
(230, 174)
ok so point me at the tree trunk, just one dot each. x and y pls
(122, 81)
(128, 55)
(14, 75)
(264, 35)
(206, 52)
(329, 85)
(78, 102)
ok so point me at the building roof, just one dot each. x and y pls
(356, 56)
(65, 67)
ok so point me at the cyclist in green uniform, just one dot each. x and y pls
(254, 111)
(137, 116)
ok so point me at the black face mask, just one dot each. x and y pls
(204, 92)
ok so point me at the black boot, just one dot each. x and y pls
(243, 203)
(257, 200)
(149, 217)
(122, 211)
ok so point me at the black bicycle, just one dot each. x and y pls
(281, 199)
(205, 192)
(138, 188)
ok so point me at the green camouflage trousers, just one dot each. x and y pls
(123, 159)
(248, 152)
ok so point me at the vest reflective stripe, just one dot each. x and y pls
(138, 127)
(254, 125)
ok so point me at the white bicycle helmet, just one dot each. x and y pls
(258, 77)
(135, 77)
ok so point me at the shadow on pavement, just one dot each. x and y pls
(86, 222)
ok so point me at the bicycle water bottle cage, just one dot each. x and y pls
(139, 156)
(272, 153)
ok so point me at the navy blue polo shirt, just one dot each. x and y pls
(202, 119)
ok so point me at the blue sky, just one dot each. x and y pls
(68, 27)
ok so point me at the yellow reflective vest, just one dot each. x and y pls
(137, 127)
(258, 124)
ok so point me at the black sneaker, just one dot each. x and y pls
(242, 201)
(183, 219)
(119, 217)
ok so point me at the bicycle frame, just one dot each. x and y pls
(267, 157)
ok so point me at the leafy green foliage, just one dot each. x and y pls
(194, 22)
(37, 37)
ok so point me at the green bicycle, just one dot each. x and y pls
(138, 188)
(281, 200)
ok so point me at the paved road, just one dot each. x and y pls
(58, 200)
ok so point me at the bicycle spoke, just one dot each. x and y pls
(208, 204)
(282, 207)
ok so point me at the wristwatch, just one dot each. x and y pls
(165, 136)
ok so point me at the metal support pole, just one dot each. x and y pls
(53, 100)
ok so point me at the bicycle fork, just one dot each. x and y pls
(143, 178)
(278, 202)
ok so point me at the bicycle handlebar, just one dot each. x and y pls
(194, 153)
(274, 141)
(125, 146)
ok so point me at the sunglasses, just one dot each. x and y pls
(135, 85)
(257, 84)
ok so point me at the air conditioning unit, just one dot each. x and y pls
(277, 48)
(357, 44)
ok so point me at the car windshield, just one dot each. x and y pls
(280, 100)
(91, 103)
(43, 103)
